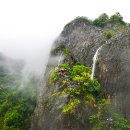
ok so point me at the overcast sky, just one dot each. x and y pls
(28, 27)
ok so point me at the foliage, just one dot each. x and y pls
(61, 46)
(104, 19)
(80, 70)
(114, 121)
(16, 104)
(120, 27)
(111, 24)
(105, 118)
(65, 66)
(108, 33)
(98, 119)
(101, 20)
(77, 84)
(54, 75)
(61, 49)
(119, 122)
(18, 116)
(116, 18)
(67, 51)
(58, 48)
(70, 107)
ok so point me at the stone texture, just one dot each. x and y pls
(112, 71)
(83, 40)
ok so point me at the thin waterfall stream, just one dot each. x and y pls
(94, 61)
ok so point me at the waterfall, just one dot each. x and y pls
(94, 61)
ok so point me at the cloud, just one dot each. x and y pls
(28, 27)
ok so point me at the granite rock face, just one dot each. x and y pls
(112, 71)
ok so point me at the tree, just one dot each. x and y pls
(116, 18)
(101, 20)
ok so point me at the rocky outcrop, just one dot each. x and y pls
(112, 71)
(83, 39)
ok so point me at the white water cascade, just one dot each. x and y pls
(94, 61)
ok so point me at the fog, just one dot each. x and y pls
(29, 27)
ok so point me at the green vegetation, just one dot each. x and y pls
(54, 75)
(62, 48)
(67, 51)
(116, 18)
(16, 103)
(75, 82)
(104, 117)
(110, 24)
(104, 19)
(108, 33)
(119, 122)
(101, 21)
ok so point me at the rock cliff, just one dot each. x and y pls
(112, 70)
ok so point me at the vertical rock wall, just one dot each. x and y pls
(112, 71)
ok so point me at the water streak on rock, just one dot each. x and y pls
(94, 61)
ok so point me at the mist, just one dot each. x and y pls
(28, 27)
(35, 52)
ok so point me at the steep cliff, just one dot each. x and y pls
(113, 70)
(81, 39)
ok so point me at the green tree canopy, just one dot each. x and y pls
(101, 20)
(116, 18)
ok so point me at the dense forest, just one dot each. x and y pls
(17, 96)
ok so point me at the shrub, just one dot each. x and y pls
(108, 33)
(78, 86)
